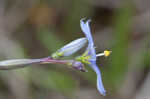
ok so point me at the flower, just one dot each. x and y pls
(70, 48)
(89, 56)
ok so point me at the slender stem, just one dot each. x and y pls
(54, 61)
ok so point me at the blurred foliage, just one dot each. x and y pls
(119, 60)
(48, 38)
(59, 81)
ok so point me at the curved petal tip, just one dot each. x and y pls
(100, 86)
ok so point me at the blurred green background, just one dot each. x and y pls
(37, 28)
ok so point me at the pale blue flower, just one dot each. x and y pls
(89, 56)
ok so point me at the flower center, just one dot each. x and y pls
(84, 58)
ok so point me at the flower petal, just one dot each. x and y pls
(100, 85)
(86, 30)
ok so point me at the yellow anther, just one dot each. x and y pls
(107, 53)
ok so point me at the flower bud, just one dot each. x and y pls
(70, 48)
(78, 66)
(17, 63)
